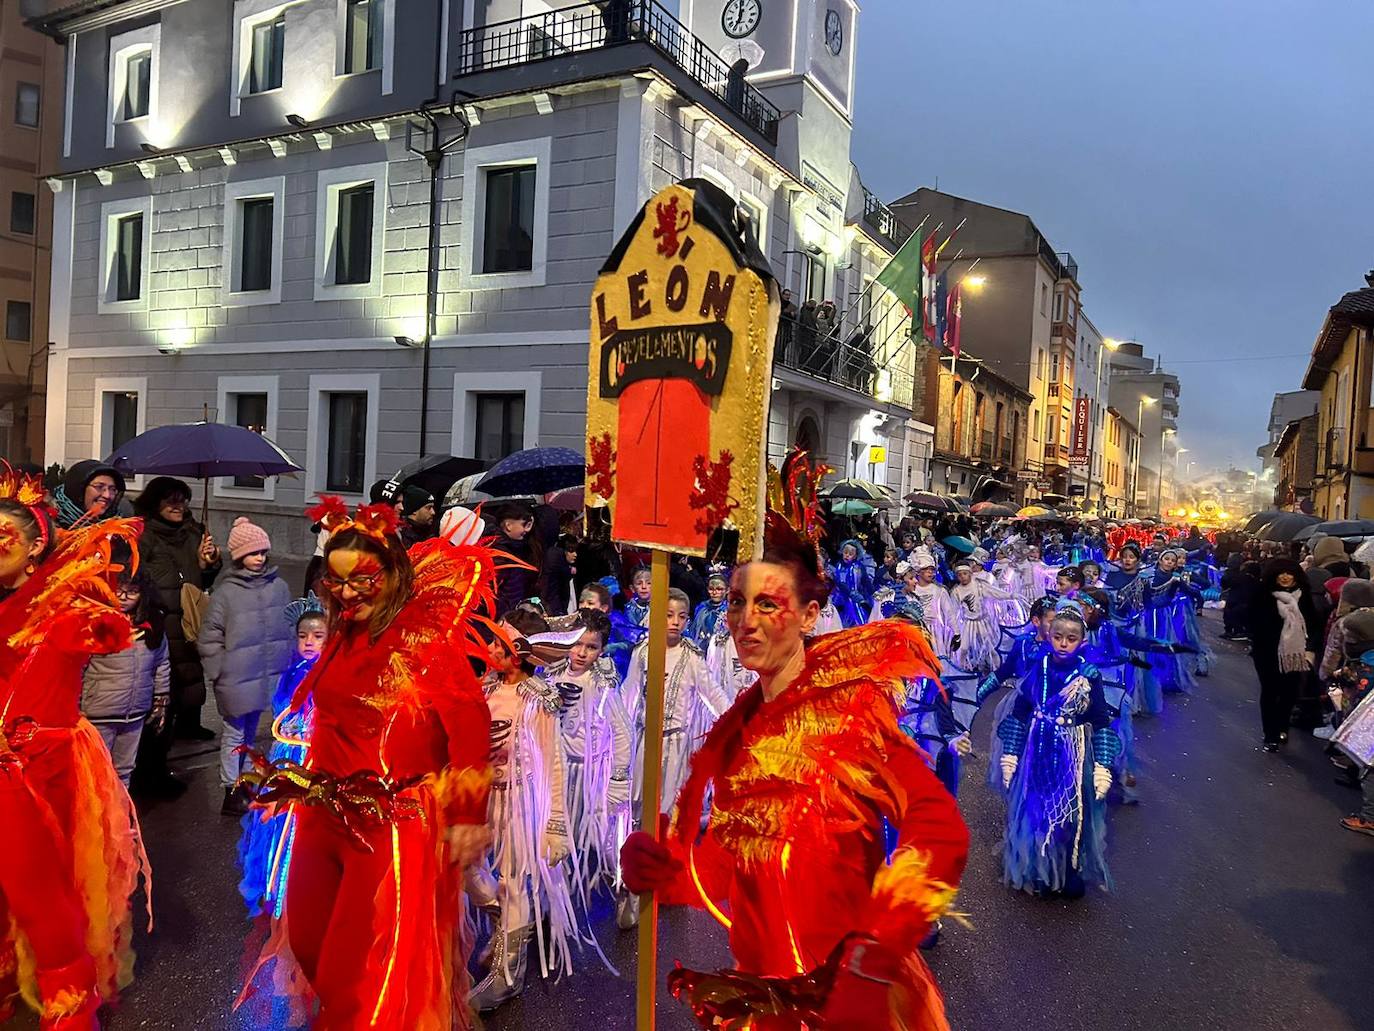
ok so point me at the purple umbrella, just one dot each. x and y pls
(201, 450)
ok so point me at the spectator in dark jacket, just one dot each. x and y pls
(418, 518)
(1240, 582)
(560, 564)
(245, 645)
(175, 550)
(91, 491)
(125, 691)
(1285, 639)
(513, 523)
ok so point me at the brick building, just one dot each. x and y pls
(1296, 454)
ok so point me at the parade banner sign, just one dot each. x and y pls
(683, 317)
(1082, 414)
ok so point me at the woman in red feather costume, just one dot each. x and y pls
(393, 800)
(806, 766)
(65, 891)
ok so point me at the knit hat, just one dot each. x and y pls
(246, 537)
(1359, 633)
(1358, 594)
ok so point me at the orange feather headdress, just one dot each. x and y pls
(376, 521)
(28, 491)
(793, 523)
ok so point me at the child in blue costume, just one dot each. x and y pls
(708, 613)
(630, 624)
(1169, 598)
(1056, 765)
(265, 848)
(852, 590)
(1025, 651)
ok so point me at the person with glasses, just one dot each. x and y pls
(91, 491)
(393, 805)
(176, 551)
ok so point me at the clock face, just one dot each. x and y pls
(834, 32)
(740, 17)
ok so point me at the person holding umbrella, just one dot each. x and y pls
(178, 553)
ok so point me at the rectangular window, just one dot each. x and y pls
(346, 457)
(138, 77)
(18, 321)
(1044, 298)
(362, 35)
(500, 429)
(255, 264)
(21, 213)
(508, 225)
(123, 418)
(250, 412)
(128, 258)
(26, 105)
(353, 241)
(1058, 307)
(265, 65)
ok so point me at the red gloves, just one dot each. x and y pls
(646, 864)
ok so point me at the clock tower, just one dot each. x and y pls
(801, 57)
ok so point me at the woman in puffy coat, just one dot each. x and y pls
(245, 644)
(125, 691)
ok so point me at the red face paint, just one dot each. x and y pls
(765, 616)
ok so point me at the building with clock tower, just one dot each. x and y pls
(370, 228)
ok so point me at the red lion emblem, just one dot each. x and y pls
(671, 224)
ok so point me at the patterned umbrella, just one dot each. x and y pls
(536, 470)
(992, 510)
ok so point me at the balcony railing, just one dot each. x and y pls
(884, 221)
(806, 348)
(584, 27)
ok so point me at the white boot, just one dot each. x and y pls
(506, 976)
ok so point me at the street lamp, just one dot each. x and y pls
(1180, 451)
(1140, 439)
(1164, 432)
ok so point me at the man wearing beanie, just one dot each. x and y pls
(245, 644)
(417, 515)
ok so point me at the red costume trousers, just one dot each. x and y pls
(372, 930)
(37, 878)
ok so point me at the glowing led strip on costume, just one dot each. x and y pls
(786, 920)
(711, 907)
(396, 873)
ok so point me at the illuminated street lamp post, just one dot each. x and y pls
(1140, 440)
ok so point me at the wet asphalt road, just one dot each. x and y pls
(1239, 904)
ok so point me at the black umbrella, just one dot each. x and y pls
(434, 473)
(930, 502)
(1285, 526)
(536, 470)
(856, 490)
(1343, 528)
(1256, 522)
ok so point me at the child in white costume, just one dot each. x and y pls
(980, 630)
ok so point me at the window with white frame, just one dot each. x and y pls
(756, 225)
(506, 213)
(362, 36)
(350, 207)
(249, 402)
(252, 248)
(133, 75)
(258, 45)
(125, 239)
(120, 412)
(341, 433)
(495, 414)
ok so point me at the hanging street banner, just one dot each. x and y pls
(1082, 415)
(683, 316)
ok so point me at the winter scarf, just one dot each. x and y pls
(1293, 636)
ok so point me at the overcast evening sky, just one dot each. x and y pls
(1210, 165)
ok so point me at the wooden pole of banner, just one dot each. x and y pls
(653, 776)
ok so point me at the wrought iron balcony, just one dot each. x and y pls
(850, 364)
(884, 221)
(587, 27)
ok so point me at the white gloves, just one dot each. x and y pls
(556, 847)
(1102, 780)
(961, 745)
(1009, 763)
(1337, 696)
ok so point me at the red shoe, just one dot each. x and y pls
(1358, 824)
(70, 998)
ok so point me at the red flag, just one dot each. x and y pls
(954, 313)
(929, 254)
